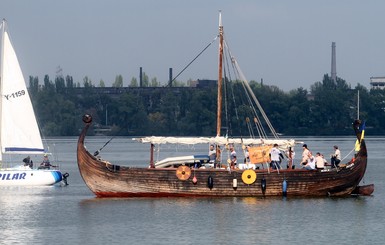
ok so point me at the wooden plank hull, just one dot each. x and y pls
(365, 190)
(108, 180)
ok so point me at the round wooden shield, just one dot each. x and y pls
(183, 172)
(249, 177)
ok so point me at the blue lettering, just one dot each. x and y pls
(15, 176)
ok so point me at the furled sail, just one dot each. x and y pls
(284, 144)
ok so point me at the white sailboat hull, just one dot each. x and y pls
(29, 177)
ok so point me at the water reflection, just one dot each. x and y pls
(22, 210)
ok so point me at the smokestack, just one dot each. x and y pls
(170, 77)
(140, 77)
(334, 64)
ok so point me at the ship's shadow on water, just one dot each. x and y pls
(214, 218)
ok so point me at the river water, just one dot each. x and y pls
(73, 215)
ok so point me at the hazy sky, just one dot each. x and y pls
(285, 43)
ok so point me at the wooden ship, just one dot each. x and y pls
(108, 180)
(183, 178)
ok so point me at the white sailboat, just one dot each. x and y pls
(19, 132)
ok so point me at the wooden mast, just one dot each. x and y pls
(219, 97)
(358, 104)
(219, 102)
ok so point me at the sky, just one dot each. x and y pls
(285, 43)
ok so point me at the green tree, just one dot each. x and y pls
(131, 116)
(87, 83)
(134, 82)
(69, 82)
(145, 80)
(59, 84)
(198, 113)
(298, 114)
(33, 85)
(330, 110)
(118, 82)
(154, 82)
(48, 85)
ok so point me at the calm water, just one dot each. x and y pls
(72, 215)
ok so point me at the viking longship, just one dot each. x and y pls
(197, 176)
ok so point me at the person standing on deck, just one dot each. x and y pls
(247, 155)
(233, 157)
(305, 154)
(218, 157)
(275, 156)
(336, 157)
(212, 155)
(290, 154)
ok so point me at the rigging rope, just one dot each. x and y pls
(258, 123)
(228, 122)
(348, 154)
(98, 151)
(196, 57)
(227, 58)
(249, 127)
(249, 94)
(256, 101)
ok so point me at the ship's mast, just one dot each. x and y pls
(358, 104)
(219, 102)
(2, 25)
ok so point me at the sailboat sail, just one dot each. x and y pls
(19, 129)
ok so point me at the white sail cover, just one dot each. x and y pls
(283, 144)
(19, 129)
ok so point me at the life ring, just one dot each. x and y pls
(249, 176)
(183, 172)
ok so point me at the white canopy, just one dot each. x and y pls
(282, 143)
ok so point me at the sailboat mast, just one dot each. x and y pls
(219, 102)
(2, 25)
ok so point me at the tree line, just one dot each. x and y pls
(328, 108)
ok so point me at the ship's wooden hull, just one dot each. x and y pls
(108, 180)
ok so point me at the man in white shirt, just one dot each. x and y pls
(336, 157)
(275, 156)
(212, 156)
